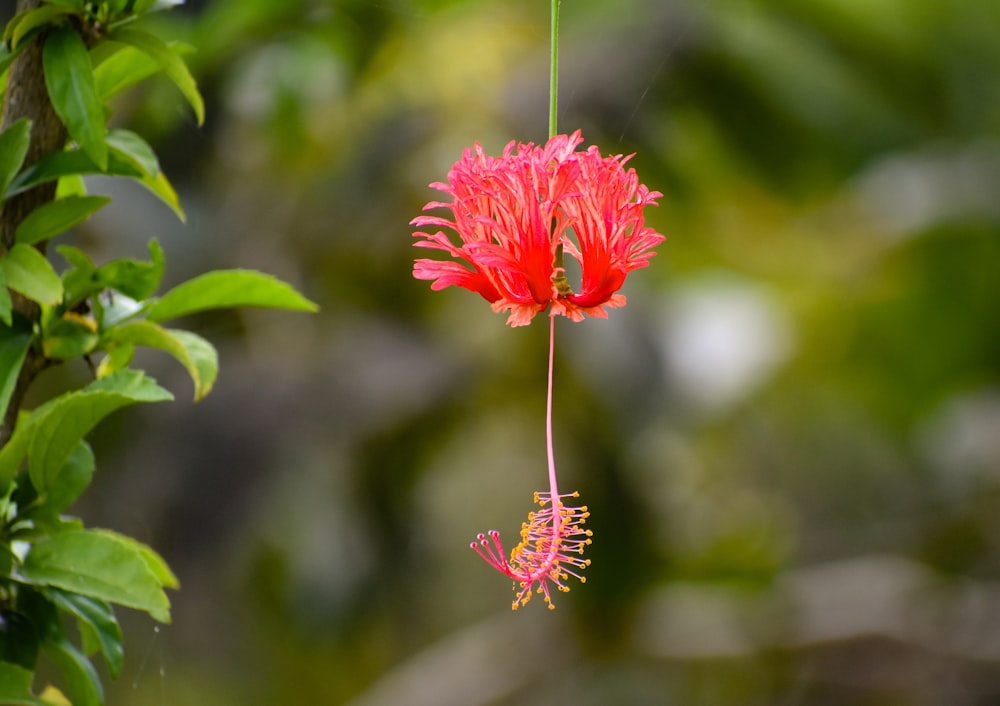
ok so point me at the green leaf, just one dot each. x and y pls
(98, 626)
(77, 258)
(64, 421)
(14, 451)
(69, 163)
(71, 185)
(70, 80)
(168, 60)
(70, 482)
(15, 686)
(116, 358)
(134, 384)
(24, 25)
(69, 336)
(128, 66)
(29, 273)
(14, 346)
(13, 148)
(161, 187)
(205, 359)
(131, 148)
(156, 563)
(78, 281)
(225, 289)
(196, 354)
(100, 564)
(81, 681)
(55, 217)
(134, 278)
(58, 426)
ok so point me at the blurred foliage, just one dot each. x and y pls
(788, 440)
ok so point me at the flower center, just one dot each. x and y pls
(561, 281)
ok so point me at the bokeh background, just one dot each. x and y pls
(789, 439)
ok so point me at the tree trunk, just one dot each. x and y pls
(28, 97)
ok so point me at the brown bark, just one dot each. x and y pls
(27, 96)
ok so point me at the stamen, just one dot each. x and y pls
(552, 540)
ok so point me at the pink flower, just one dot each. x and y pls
(552, 542)
(516, 216)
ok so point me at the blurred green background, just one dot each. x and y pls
(789, 439)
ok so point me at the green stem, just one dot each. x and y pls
(553, 113)
(554, 70)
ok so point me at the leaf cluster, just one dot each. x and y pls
(53, 570)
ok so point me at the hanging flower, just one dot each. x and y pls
(517, 215)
